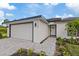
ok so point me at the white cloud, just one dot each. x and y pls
(36, 9)
(9, 14)
(1, 13)
(1, 16)
(64, 16)
(73, 6)
(7, 6)
(54, 4)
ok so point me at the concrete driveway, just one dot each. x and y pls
(11, 45)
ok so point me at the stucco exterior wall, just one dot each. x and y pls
(40, 31)
(61, 29)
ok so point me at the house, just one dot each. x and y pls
(37, 28)
(34, 28)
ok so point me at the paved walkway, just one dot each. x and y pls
(11, 45)
(49, 46)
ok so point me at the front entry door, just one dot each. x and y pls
(53, 30)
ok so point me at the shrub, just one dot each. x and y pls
(1, 36)
(42, 53)
(21, 52)
(61, 49)
(64, 51)
(59, 38)
(72, 41)
(30, 52)
(25, 52)
(60, 41)
(77, 42)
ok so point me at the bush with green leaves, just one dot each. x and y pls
(1, 36)
(64, 51)
(21, 52)
(77, 42)
(63, 48)
(72, 41)
(30, 52)
(59, 38)
(60, 41)
(42, 53)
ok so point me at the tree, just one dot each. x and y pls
(6, 20)
(73, 27)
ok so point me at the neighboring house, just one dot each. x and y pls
(37, 28)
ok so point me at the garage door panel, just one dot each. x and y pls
(22, 31)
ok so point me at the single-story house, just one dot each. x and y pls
(37, 28)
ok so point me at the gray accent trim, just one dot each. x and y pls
(54, 19)
(44, 39)
(9, 30)
(55, 30)
(28, 18)
(32, 31)
(50, 29)
(21, 23)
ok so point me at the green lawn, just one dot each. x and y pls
(74, 49)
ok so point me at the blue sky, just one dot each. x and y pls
(16, 11)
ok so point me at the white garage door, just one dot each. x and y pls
(22, 31)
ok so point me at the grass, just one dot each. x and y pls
(66, 48)
(74, 49)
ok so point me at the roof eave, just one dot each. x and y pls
(29, 19)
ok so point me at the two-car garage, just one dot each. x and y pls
(22, 31)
